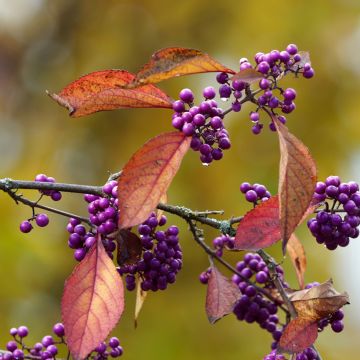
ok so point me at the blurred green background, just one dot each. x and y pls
(47, 44)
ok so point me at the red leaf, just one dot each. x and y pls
(170, 62)
(260, 227)
(102, 90)
(147, 176)
(222, 294)
(297, 255)
(299, 334)
(297, 181)
(92, 303)
(248, 75)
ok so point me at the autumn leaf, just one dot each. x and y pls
(140, 299)
(248, 75)
(297, 255)
(163, 200)
(92, 303)
(170, 62)
(129, 247)
(103, 90)
(147, 176)
(260, 227)
(222, 295)
(297, 181)
(311, 305)
(298, 335)
(319, 301)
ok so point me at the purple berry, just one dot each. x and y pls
(42, 220)
(187, 96)
(59, 330)
(292, 49)
(178, 106)
(22, 331)
(251, 196)
(25, 227)
(209, 92)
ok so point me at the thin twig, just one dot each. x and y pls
(213, 255)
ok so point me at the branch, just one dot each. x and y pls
(199, 239)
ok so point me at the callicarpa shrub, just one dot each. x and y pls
(126, 242)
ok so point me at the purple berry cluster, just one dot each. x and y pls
(48, 348)
(204, 123)
(41, 220)
(252, 305)
(221, 242)
(255, 193)
(55, 195)
(161, 257)
(103, 215)
(339, 220)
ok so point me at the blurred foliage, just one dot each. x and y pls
(46, 44)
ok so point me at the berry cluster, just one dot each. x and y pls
(161, 257)
(41, 220)
(252, 305)
(329, 227)
(103, 216)
(221, 242)
(272, 66)
(48, 348)
(254, 193)
(307, 354)
(203, 123)
(55, 195)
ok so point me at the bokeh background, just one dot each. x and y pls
(46, 44)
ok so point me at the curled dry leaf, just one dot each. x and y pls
(129, 247)
(297, 180)
(92, 302)
(103, 90)
(311, 306)
(147, 176)
(222, 295)
(139, 302)
(170, 62)
(319, 301)
(297, 255)
(260, 227)
(248, 75)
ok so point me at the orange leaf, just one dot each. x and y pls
(147, 176)
(297, 255)
(297, 181)
(92, 303)
(170, 62)
(298, 335)
(140, 299)
(319, 301)
(222, 295)
(260, 227)
(248, 75)
(103, 90)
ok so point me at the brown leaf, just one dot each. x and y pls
(260, 227)
(248, 75)
(297, 181)
(170, 62)
(92, 303)
(319, 301)
(222, 294)
(148, 175)
(297, 255)
(298, 335)
(102, 90)
(140, 299)
(129, 247)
